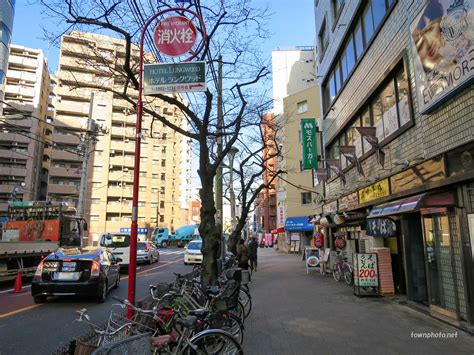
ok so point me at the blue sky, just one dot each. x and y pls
(292, 25)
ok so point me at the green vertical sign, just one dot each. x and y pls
(310, 146)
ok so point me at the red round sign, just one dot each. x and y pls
(175, 35)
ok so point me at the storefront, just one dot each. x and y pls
(298, 233)
(429, 234)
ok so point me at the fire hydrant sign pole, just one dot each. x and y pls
(174, 36)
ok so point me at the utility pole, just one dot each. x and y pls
(85, 150)
(218, 197)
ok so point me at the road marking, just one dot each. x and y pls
(171, 252)
(10, 290)
(19, 310)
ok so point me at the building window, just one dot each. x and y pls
(323, 39)
(162, 218)
(305, 198)
(302, 107)
(153, 204)
(142, 188)
(162, 204)
(142, 173)
(95, 201)
(388, 110)
(365, 26)
(94, 218)
(163, 176)
(154, 176)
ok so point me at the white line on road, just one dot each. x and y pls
(10, 290)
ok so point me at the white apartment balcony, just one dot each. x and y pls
(73, 106)
(121, 131)
(126, 175)
(66, 122)
(123, 146)
(65, 91)
(26, 62)
(122, 161)
(25, 91)
(21, 75)
(120, 192)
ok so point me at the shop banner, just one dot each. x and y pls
(381, 227)
(365, 272)
(312, 258)
(442, 44)
(309, 143)
(374, 191)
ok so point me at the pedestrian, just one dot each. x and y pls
(253, 247)
(242, 254)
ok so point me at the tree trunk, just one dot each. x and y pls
(236, 233)
(208, 231)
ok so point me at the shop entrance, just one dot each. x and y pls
(439, 261)
(417, 288)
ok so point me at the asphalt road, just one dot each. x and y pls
(27, 328)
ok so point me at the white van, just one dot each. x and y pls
(118, 244)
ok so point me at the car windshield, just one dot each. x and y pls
(117, 240)
(195, 246)
(141, 246)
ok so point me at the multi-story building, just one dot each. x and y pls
(7, 11)
(26, 128)
(293, 74)
(86, 65)
(398, 128)
(298, 197)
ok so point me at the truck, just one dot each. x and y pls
(34, 229)
(181, 237)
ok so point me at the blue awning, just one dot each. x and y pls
(299, 224)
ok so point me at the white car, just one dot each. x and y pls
(192, 252)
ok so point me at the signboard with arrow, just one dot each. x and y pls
(174, 77)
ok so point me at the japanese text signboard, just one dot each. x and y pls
(366, 271)
(308, 140)
(175, 36)
(375, 191)
(174, 77)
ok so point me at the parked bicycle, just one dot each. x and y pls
(343, 270)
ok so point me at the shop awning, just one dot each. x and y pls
(412, 204)
(278, 230)
(299, 224)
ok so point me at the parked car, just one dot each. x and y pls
(147, 252)
(192, 252)
(70, 271)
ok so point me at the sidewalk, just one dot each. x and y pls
(296, 313)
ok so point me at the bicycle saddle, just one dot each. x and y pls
(187, 322)
(200, 313)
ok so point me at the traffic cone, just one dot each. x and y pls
(18, 288)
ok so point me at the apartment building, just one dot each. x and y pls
(398, 135)
(89, 60)
(7, 11)
(26, 128)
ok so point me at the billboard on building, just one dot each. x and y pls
(442, 43)
(309, 144)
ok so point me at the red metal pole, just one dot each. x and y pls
(132, 270)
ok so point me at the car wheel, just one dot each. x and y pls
(185, 263)
(117, 283)
(103, 294)
(164, 244)
(39, 299)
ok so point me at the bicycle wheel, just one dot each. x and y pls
(348, 279)
(336, 273)
(212, 341)
(239, 311)
(246, 300)
(231, 324)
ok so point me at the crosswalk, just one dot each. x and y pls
(170, 252)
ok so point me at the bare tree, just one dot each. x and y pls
(233, 27)
(257, 159)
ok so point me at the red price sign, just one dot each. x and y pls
(175, 36)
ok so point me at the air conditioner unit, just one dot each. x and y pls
(125, 169)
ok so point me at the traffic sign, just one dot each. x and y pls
(175, 35)
(174, 77)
